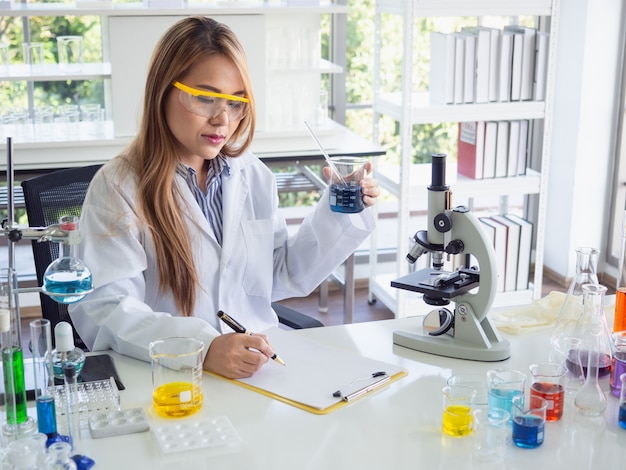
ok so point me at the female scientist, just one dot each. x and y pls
(184, 222)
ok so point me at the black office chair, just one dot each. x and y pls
(62, 192)
(47, 198)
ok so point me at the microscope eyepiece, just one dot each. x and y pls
(438, 173)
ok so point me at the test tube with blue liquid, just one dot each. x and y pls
(41, 345)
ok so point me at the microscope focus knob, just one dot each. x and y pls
(442, 223)
(455, 247)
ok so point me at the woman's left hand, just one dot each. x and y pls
(369, 187)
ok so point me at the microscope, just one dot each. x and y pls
(464, 332)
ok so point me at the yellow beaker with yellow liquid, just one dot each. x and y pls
(176, 376)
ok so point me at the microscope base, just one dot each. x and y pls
(447, 346)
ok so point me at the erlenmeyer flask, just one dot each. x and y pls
(593, 321)
(590, 399)
(572, 308)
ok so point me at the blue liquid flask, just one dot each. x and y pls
(68, 276)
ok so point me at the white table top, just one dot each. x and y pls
(397, 427)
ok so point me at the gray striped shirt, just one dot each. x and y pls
(209, 200)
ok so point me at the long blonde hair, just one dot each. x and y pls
(153, 151)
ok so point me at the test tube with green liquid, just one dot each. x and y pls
(13, 367)
(12, 357)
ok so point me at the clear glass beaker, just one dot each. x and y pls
(572, 308)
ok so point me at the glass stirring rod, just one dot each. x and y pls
(326, 156)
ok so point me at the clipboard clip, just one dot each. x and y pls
(382, 379)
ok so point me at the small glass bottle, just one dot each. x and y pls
(619, 322)
(590, 399)
(59, 457)
(619, 362)
(26, 453)
(572, 308)
(65, 350)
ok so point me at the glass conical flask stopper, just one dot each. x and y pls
(68, 279)
(572, 308)
(590, 399)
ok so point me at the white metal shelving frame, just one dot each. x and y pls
(410, 108)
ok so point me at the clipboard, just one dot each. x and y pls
(317, 378)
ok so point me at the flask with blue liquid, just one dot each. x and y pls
(68, 280)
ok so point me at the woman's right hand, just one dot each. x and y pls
(236, 356)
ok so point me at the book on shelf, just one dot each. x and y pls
(513, 148)
(505, 66)
(541, 65)
(512, 251)
(502, 149)
(489, 158)
(459, 67)
(442, 58)
(482, 52)
(522, 150)
(471, 149)
(525, 248)
(496, 232)
(527, 65)
(467, 75)
(517, 51)
(494, 61)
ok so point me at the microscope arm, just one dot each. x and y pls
(467, 227)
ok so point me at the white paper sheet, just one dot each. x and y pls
(314, 371)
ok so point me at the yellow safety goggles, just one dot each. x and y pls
(210, 104)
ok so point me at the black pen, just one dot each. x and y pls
(239, 328)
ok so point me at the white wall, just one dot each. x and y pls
(583, 130)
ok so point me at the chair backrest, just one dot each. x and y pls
(47, 198)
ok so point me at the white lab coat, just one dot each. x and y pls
(258, 262)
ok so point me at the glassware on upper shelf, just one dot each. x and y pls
(572, 308)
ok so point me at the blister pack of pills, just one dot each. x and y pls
(214, 434)
(117, 423)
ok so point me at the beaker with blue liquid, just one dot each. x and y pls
(504, 385)
(345, 191)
